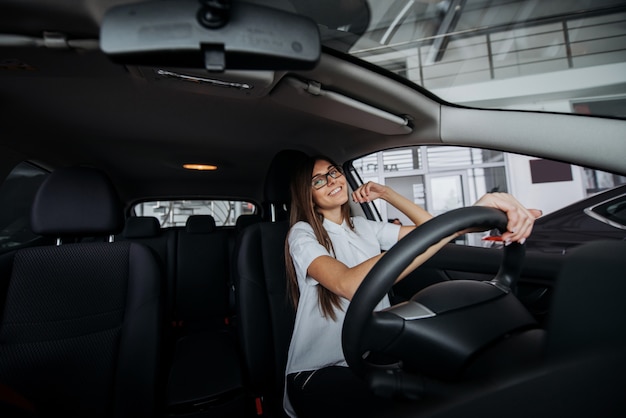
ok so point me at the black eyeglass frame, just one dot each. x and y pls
(338, 172)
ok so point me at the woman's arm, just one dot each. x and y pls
(371, 191)
(344, 281)
(520, 219)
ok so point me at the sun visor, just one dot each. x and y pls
(310, 97)
(231, 83)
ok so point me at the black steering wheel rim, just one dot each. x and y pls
(383, 275)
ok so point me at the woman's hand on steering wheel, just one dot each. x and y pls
(520, 219)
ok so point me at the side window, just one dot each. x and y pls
(16, 198)
(442, 178)
(176, 212)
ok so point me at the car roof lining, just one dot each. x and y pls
(159, 126)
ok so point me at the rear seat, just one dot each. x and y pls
(205, 375)
(241, 223)
(148, 231)
(202, 276)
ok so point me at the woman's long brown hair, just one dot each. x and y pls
(303, 209)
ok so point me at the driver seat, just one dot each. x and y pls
(266, 316)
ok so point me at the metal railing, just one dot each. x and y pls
(556, 43)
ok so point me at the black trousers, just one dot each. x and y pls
(334, 392)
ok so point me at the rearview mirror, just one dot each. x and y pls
(212, 34)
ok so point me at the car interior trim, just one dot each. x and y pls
(591, 212)
(521, 131)
(309, 96)
(410, 310)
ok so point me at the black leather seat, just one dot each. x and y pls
(81, 326)
(202, 275)
(205, 374)
(265, 314)
(147, 230)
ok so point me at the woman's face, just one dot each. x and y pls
(334, 193)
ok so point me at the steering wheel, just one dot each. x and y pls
(443, 327)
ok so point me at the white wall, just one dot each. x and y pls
(536, 90)
(545, 196)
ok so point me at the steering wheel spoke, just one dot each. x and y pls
(382, 329)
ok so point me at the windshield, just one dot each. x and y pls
(557, 56)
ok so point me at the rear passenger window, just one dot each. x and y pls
(175, 212)
(16, 198)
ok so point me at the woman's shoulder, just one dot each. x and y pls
(301, 226)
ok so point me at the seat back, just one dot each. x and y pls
(202, 274)
(147, 230)
(205, 371)
(244, 221)
(81, 322)
(266, 316)
(588, 310)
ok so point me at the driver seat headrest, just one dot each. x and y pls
(77, 202)
(276, 192)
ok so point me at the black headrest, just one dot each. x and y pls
(77, 202)
(279, 175)
(141, 227)
(247, 219)
(200, 224)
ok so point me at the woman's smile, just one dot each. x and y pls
(335, 191)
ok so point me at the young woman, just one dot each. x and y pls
(328, 254)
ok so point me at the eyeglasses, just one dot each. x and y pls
(321, 180)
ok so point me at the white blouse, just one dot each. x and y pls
(316, 340)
